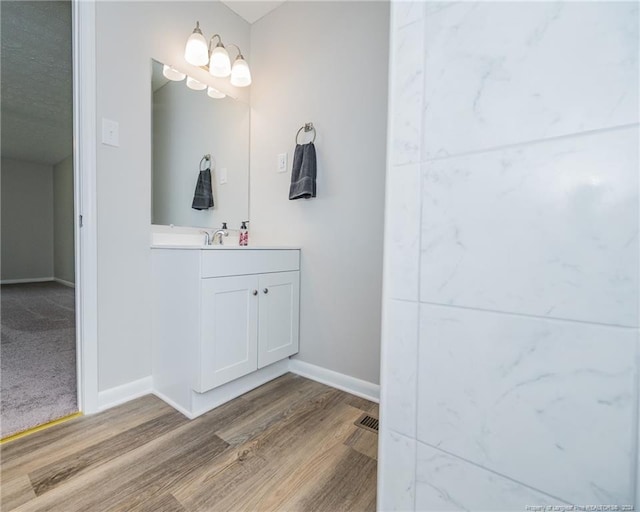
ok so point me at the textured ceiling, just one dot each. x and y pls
(252, 10)
(37, 115)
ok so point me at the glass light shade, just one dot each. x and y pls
(196, 51)
(192, 83)
(215, 93)
(172, 74)
(240, 74)
(220, 64)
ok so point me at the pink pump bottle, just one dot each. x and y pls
(244, 234)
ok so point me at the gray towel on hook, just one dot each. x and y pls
(303, 172)
(203, 196)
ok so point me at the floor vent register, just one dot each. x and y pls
(368, 423)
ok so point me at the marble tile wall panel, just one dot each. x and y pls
(541, 231)
(400, 367)
(405, 13)
(403, 232)
(396, 472)
(448, 483)
(547, 229)
(500, 73)
(407, 91)
(549, 403)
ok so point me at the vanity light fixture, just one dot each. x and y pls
(192, 83)
(240, 73)
(196, 51)
(219, 64)
(215, 93)
(172, 73)
(216, 59)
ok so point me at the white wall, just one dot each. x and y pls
(187, 125)
(326, 63)
(27, 223)
(128, 35)
(63, 221)
(511, 285)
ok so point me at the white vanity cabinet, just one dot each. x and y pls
(247, 322)
(278, 316)
(228, 344)
(224, 321)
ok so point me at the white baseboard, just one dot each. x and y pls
(352, 385)
(173, 404)
(204, 402)
(28, 280)
(65, 283)
(120, 394)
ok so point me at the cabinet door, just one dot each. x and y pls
(229, 330)
(279, 316)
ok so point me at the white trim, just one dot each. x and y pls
(173, 404)
(39, 280)
(64, 283)
(84, 165)
(204, 402)
(636, 467)
(27, 280)
(352, 385)
(120, 394)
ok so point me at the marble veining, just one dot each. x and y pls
(403, 231)
(397, 472)
(547, 229)
(549, 403)
(448, 483)
(512, 220)
(500, 73)
(399, 398)
(405, 13)
(407, 92)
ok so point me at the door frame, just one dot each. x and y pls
(84, 172)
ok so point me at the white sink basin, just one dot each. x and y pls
(177, 239)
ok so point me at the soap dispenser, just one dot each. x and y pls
(244, 234)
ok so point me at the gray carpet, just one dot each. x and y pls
(37, 355)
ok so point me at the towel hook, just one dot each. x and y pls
(307, 128)
(207, 159)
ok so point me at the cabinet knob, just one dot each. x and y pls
(266, 290)
(255, 292)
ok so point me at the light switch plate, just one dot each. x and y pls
(110, 132)
(282, 162)
(223, 176)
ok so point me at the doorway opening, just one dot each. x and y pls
(38, 355)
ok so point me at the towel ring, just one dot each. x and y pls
(207, 159)
(307, 128)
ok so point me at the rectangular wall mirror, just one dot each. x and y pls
(186, 125)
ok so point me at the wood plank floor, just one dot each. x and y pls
(290, 445)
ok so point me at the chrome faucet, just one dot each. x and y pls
(208, 239)
(219, 234)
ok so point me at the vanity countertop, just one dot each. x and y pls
(224, 247)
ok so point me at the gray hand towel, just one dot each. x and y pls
(303, 173)
(203, 197)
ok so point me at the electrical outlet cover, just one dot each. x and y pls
(282, 162)
(110, 132)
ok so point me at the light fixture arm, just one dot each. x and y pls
(220, 43)
(239, 52)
